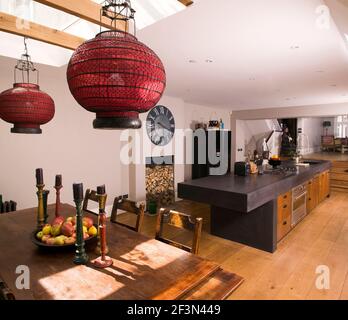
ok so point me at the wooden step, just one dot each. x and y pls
(339, 176)
(336, 189)
(339, 183)
(218, 286)
(340, 164)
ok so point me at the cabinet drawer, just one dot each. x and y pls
(284, 204)
(284, 199)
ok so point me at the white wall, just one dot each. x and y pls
(70, 146)
(186, 115)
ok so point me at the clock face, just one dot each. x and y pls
(160, 125)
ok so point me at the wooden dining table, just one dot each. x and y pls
(143, 268)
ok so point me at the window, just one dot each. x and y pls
(341, 126)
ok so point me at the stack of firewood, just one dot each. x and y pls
(160, 184)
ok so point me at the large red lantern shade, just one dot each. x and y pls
(116, 76)
(25, 105)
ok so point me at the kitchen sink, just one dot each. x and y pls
(311, 162)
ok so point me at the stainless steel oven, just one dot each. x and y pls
(299, 204)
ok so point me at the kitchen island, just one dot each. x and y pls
(259, 210)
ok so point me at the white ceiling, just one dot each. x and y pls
(147, 13)
(265, 53)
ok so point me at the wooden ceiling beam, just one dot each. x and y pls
(186, 2)
(83, 9)
(24, 28)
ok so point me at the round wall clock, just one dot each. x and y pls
(160, 125)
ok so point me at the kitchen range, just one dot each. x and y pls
(260, 210)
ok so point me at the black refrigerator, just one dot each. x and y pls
(210, 156)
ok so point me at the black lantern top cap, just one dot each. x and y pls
(25, 66)
(327, 124)
(118, 10)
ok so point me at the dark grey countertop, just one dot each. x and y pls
(245, 194)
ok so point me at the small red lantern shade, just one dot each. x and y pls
(116, 76)
(25, 105)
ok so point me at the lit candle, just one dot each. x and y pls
(39, 176)
(78, 191)
(58, 180)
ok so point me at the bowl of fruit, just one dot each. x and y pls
(61, 233)
(275, 161)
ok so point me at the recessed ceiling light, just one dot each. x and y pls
(252, 79)
(209, 61)
(192, 61)
(294, 47)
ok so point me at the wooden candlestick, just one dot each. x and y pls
(80, 254)
(103, 261)
(40, 207)
(57, 211)
(45, 200)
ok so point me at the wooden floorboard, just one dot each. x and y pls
(290, 273)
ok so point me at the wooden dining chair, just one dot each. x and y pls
(90, 195)
(123, 203)
(5, 292)
(182, 221)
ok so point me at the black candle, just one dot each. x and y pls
(58, 180)
(78, 191)
(39, 176)
(101, 189)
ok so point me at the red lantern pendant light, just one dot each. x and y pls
(115, 75)
(25, 105)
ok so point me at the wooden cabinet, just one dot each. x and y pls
(318, 189)
(313, 193)
(284, 203)
(324, 185)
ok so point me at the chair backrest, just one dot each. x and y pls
(182, 221)
(338, 141)
(90, 195)
(5, 292)
(122, 203)
(328, 140)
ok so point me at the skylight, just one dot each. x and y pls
(148, 12)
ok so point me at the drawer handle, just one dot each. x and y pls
(285, 196)
(285, 223)
(285, 206)
(346, 170)
(310, 199)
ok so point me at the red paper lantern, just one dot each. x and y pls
(26, 107)
(117, 77)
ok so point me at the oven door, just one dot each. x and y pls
(299, 208)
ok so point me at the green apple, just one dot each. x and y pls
(39, 235)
